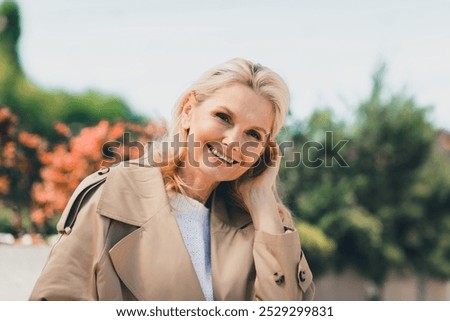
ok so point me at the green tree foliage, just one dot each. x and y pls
(10, 32)
(389, 208)
(392, 142)
(18, 166)
(28, 115)
(427, 238)
(316, 187)
(38, 109)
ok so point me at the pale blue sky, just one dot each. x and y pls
(148, 52)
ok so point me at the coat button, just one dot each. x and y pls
(103, 171)
(301, 276)
(67, 230)
(279, 279)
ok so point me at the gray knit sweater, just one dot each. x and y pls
(193, 221)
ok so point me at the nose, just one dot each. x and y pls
(232, 139)
(239, 148)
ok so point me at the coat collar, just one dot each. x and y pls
(134, 193)
(148, 260)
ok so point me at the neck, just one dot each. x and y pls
(198, 186)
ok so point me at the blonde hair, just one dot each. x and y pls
(261, 79)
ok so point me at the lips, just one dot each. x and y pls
(219, 155)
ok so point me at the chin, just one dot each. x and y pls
(221, 174)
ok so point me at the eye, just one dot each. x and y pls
(254, 134)
(224, 117)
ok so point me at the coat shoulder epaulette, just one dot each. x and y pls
(85, 188)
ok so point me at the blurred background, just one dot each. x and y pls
(369, 84)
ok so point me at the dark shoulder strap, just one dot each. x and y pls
(82, 193)
(80, 200)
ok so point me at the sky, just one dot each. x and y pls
(148, 51)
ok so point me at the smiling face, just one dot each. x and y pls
(230, 129)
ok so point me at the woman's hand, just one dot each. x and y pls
(258, 195)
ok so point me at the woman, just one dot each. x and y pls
(203, 222)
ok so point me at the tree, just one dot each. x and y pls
(10, 31)
(19, 165)
(43, 133)
(388, 210)
(66, 163)
(392, 141)
(427, 241)
(41, 176)
(310, 175)
(39, 109)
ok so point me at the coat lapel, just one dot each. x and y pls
(232, 235)
(153, 261)
(148, 260)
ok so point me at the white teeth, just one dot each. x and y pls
(219, 155)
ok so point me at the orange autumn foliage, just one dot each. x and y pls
(15, 159)
(66, 164)
(4, 185)
(43, 175)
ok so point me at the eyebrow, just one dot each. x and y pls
(234, 116)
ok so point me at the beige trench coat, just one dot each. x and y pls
(120, 241)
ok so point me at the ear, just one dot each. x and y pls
(189, 102)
